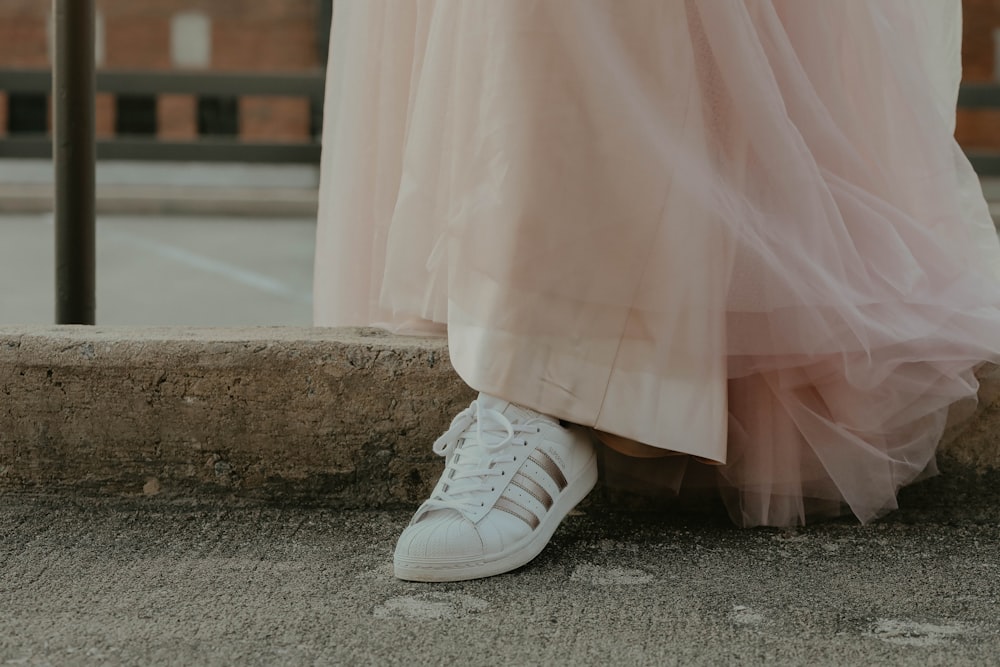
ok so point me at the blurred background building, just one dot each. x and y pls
(214, 35)
(221, 238)
(980, 128)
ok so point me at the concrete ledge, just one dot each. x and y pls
(340, 416)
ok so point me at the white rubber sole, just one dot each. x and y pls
(517, 554)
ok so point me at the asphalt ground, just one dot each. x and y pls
(144, 581)
(168, 270)
(162, 259)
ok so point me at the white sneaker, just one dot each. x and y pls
(511, 475)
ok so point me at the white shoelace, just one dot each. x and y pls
(477, 440)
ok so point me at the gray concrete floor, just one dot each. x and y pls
(168, 270)
(148, 582)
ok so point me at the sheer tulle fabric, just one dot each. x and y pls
(737, 229)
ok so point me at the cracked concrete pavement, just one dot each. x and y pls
(147, 581)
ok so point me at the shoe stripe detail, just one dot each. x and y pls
(551, 468)
(522, 513)
(532, 488)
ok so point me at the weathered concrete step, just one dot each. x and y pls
(340, 416)
(297, 414)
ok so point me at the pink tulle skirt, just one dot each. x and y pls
(735, 229)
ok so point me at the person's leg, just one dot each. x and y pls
(568, 294)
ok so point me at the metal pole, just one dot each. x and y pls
(73, 84)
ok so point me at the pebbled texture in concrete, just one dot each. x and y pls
(340, 417)
(150, 582)
(298, 414)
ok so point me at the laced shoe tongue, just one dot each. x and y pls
(514, 413)
(492, 403)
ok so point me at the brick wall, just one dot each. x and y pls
(276, 36)
(23, 41)
(24, 33)
(175, 116)
(243, 35)
(980, 128)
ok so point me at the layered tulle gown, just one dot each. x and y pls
(735, 229)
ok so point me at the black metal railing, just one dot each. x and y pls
(208, 148)
(74, 154)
